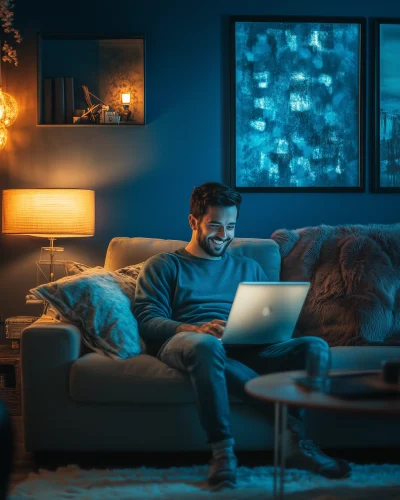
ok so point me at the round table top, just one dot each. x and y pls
(282, 388)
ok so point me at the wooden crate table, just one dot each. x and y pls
(10, 366)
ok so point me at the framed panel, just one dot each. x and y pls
(387, 106)
(297, 104)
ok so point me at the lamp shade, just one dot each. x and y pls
(49, 213)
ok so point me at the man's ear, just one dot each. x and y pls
(192, 222)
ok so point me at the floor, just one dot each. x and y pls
(24, 462)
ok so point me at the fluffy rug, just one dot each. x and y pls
(373, 482)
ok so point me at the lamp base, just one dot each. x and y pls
(47, 264)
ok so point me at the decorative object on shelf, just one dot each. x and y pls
(49, 213)
(14, 327)
(126, 113)
(297, 104)
(94, 110)
(77, 115)
(387, 110)
(97, 113)
(126, 99)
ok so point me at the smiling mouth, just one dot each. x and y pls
(218, 242)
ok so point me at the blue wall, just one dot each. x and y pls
(143, 176)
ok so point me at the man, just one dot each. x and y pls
(182, 303)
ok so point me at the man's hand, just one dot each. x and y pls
(215, 328)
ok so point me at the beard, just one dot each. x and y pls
(208, 246)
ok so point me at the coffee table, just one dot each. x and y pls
(281, 389)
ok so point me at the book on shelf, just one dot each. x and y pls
(59, 100)
(47, 101)
(69, 98)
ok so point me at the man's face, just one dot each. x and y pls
(216, 230)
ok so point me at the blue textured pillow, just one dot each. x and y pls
(98, 302)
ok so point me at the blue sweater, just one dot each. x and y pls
(176, 288)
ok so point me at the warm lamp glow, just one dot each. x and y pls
(126, 98)
(8, 109)
(3, 136)
(49, 213)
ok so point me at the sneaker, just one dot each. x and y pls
(305, 454)
(222, 472)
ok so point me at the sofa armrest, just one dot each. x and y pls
(48, 349)
(49, 342)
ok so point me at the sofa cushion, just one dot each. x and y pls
(124, 252)
(143, 379)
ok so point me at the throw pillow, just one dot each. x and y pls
(98, 302)
(131, 273)
(73, 267)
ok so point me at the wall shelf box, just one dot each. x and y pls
(107, 65)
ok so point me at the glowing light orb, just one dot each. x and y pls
(3, 135)
(8, 109)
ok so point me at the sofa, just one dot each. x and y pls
(74, 400)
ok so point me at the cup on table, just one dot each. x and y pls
(318, 365)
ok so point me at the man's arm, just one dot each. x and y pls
(152, 305)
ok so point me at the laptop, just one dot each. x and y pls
(264, 312)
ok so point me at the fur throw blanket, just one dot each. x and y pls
(354, 270)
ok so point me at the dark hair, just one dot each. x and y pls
(213, 194)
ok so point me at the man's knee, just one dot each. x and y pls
(207, 347)
(305, 346)
(315, 343)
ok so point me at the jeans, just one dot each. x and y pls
(215, 370)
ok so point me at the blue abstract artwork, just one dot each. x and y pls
(389, 108)
(297, 106)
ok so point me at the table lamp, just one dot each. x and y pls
(49, 213)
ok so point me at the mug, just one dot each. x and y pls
(318, 365)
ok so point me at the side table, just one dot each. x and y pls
(282, 390)
(10, 378)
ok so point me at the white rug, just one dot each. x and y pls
(372, 482)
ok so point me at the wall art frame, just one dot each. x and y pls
(297, 117)
(386, 137)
